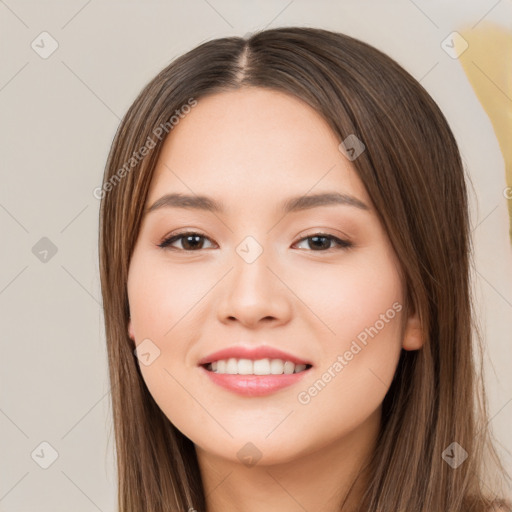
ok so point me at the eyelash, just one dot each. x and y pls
(342, 244)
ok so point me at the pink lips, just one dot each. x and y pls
(253, 385)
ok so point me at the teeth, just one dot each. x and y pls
(276, 367)
(261, 367)
(234, 366)
(244, 366)
(289, 367)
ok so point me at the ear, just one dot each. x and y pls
(131, 334)
(413, 333)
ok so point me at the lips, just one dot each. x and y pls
(254, 353)
(253, 371)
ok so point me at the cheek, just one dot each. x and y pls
(163, 305)
(352, 297)
(361, 303)
(160, 297)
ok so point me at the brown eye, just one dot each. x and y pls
(190, 241)
(322, 242)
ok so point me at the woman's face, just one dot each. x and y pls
(273, 276)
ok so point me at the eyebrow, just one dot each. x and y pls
(293, 204)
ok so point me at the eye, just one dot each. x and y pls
(192, 241)
(322, 242)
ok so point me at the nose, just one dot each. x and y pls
(255, 294)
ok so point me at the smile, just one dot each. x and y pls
(254, 378)
(233, 366)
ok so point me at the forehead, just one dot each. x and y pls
(253, 142)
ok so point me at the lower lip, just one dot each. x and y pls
(254, 385)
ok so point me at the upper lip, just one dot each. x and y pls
(254, 353)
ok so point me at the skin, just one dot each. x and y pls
(252, 149)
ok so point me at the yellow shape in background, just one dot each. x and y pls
(487, 62)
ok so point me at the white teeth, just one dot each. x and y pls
(244, 366)
(289, 367)
(276, 367)
(234, 366)
(262, 367)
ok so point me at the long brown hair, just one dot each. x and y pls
(413, 173)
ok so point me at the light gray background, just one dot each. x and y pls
(59, 116)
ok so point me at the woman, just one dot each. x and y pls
(284, 255)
